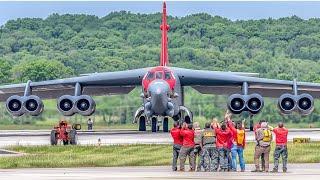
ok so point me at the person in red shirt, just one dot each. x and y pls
(281, 147)
(187, 148)
(177, 143)
(238, 143)
(223, 138)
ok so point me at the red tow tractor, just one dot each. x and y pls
(64, 132)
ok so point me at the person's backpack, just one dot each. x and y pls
(267, 135)
(240, 136)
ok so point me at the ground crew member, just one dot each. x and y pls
(263, 138)
(210, 151)
(222, 143)
(281, 147)
(255, 128)
(198, 148)
(90, 124)
(187, 148)
(177, 143)
(238, 143)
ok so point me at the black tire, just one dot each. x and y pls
(142, 123)
(73, 137)
(165, 125)
(251, 125)
(53, 138)
(65, 142)
(154, 124)
(187, 119)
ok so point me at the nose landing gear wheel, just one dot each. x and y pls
(154, 124)
(165, 125)
(53, 137)
(142, 123)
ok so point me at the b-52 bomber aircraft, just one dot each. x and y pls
(162, 91)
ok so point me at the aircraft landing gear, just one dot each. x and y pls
(165, 124)
(142, 123)
(154, 125)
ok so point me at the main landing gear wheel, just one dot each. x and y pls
(154, 124)
(73, 137)
(165, 125)
(53, 137)
(142, 123)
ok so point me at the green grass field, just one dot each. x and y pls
(126, 155)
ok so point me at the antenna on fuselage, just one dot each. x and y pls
(164, 27)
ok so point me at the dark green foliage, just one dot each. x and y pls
(283, 48)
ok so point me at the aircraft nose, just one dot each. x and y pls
(159, 96)
(159, 88)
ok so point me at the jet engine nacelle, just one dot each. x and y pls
(305, 104)
(19, 105)
(14, 105)
(33, 105)
(69, 105)
(85, 105)
(287, 103)
(254, 103)
(65, 105)
(238, 103)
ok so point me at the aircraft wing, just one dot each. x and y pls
(226, 83)
(120, 82)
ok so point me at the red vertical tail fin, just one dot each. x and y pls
(164, 38)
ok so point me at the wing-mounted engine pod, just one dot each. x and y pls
(254, 103)
(287, 103)
(29, 104)
(33, 105)
(14, 105)
(85, 105)
(236, 103)
(65, 105)
(305, 104)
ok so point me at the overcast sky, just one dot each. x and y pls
(230, 10)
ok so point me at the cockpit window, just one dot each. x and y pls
(167, 75)
(150, 75)
(158, 75)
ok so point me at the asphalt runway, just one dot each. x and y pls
(110, 137)
(296, 171)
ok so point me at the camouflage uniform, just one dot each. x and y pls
(175, 156)
(197, 148)
(210, 152)
(184, 152)
(283, 151)
(263, 147)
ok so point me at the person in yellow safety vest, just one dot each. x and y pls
(263, 138)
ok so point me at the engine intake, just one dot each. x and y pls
(33, 105)
(14, 105)
(254, 103)
(66, 105)
(287, 103)
(85, 105)
(236, 103)
(305, 104)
